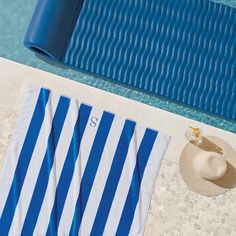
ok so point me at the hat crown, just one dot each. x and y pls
(210, 165)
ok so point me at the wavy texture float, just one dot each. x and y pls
(181, 49)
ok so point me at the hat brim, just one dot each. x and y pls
(196, 182)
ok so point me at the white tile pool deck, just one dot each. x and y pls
(174, 209)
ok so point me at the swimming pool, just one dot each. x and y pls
(14, 20)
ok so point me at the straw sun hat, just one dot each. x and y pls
(206, 170)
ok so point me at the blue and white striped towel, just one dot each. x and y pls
(73, 169)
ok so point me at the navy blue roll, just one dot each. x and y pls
(51, 26)
(184, 50)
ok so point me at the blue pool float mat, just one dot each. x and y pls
(184, 50)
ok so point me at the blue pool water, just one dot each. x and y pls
(14, 19)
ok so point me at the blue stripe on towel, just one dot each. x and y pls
(68, 169)
(45, 170)
(23, 162)
(113, 178)
(133, 195)
(91, 170)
